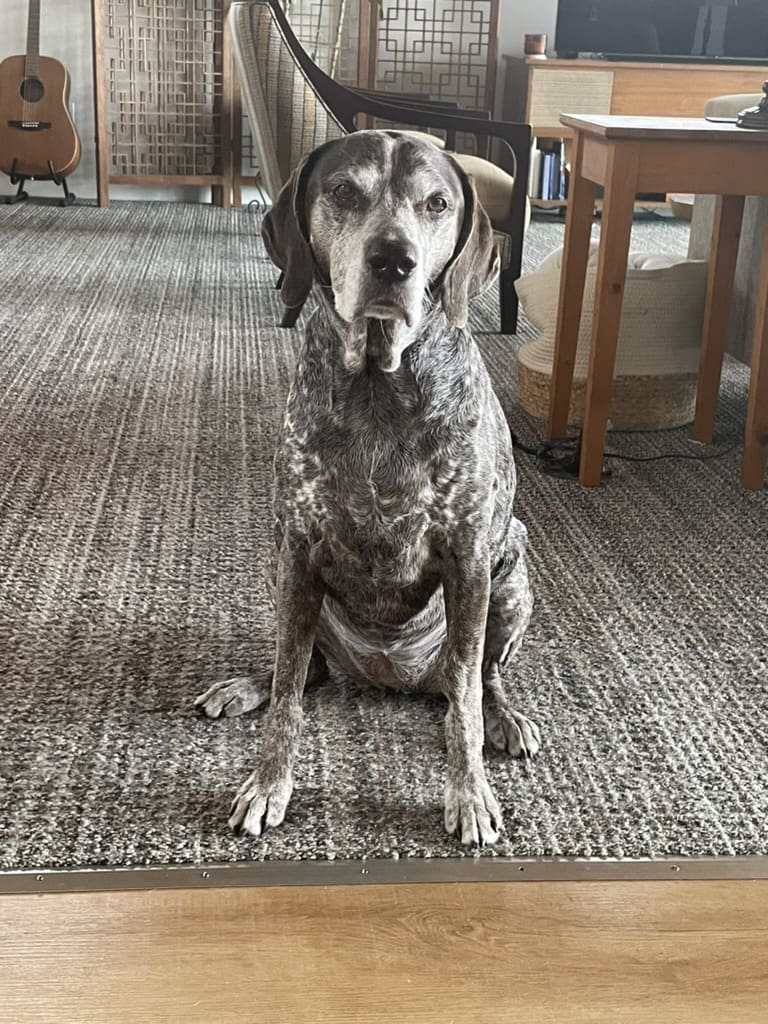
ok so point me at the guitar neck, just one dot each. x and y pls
(32, 67)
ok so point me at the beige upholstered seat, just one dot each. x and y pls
(494, 186)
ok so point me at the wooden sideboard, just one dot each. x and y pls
(538, 91)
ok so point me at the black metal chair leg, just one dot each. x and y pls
(508, 301)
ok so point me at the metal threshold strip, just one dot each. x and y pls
(384, 872)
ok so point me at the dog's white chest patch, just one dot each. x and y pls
(396, 656)
(374, 551)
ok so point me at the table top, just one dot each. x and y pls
(670, 129)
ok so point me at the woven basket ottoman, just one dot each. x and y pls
(657, 357)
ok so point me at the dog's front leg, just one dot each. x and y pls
(470, 806)
(263, 798)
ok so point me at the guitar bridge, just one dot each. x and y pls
(30, 126)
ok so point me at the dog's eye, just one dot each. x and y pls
(345, 194)
(437, 204)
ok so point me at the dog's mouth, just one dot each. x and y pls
(381, 341)
(375, 337)
(383, 311)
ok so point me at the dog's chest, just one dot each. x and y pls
(377, 470)
(375, 498)
(374, 511)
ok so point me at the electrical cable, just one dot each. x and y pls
(561, 457)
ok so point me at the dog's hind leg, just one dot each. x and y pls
(505, 728)
(509, 611)
(237, 696)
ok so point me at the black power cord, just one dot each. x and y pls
(562, 456)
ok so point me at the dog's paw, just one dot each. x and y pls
(472, 811)
(232, 697)
(259, 803)
(511, 732)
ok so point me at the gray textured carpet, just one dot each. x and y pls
(141, 381)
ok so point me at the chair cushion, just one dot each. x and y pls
(493, 185)
(494, 190)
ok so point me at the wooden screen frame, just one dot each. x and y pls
(221, 180)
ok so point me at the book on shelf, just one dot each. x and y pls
(548, 178)
(546, 184)
(534, 171)
(554, 176)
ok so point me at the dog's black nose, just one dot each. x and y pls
(390, 262)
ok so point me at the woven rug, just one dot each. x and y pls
(141, 382)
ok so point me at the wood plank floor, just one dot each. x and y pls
(540, 952)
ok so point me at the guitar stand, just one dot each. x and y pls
(20, 179)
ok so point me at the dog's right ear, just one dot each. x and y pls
(475, 261)
(283, 231)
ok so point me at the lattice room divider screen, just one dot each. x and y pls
(444, 49)
(447, 49)
(163, 84)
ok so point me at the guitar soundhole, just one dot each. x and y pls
(32, 90)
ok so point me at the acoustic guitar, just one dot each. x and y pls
(35, 124)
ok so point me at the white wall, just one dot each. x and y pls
(517, 18)
(521, 16)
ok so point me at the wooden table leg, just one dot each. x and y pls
(726, 231)
(618, 206)
(756, 436)
(578, 226)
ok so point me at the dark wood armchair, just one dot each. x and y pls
(293, 106)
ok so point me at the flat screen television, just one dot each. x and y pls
(728, 30)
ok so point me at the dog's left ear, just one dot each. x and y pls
(475, 261)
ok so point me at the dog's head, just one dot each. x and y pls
(392, 225)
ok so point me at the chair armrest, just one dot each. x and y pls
(421, 101)
(428, 104)
(407, 98)
(516, 136)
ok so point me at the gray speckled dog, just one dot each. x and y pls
(398, 556)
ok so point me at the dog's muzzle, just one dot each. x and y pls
(385, 303)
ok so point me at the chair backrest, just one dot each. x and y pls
(287, 117)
